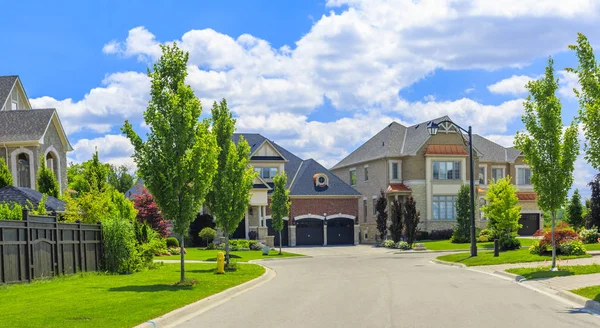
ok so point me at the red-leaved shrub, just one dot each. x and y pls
(561, 236)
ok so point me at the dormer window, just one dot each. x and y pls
(15, 100)
(321, 180)
(266, 172)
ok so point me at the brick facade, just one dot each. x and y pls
(319, 206)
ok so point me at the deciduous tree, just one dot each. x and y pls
(6, 178)
(149, 212)
(280, 204)
(119, 178)
(501, 207)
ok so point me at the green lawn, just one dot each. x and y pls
(100, 300)
(487, 257)
(592, 292)
(544, 272)
(592, 247)
(240, 256)
(443, 245)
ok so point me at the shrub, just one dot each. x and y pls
(243, 249)
(422, 235)
(11, 211)
(402, 245)
(508, 242)
(256, 246)
(234, 248)
(148, 242)
(482, 239)
(487, 233)
(231, 266)
(119, 246)
(239, 243)
(572, 247)
(172, 242)
(589, 236)
(442, 234)
(388, 243)
(208, 234)
(175, 251)
(538, 249)
(211, 246)
(561, 236)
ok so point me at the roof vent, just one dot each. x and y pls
(382, 143)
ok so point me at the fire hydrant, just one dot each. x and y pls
(220, 262)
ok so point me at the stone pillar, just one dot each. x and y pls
(324, 234)
(247, 228)
(292, 235)
(270, 241)
(356, 234)
(262, 233)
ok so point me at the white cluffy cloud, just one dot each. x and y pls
(514, 85)
(113, 149)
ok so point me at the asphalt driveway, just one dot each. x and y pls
(377, 288)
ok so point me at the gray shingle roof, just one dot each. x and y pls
(24, 125)
(22, 195)
(489, 150)
(6, 84)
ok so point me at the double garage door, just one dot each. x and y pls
(311, 232)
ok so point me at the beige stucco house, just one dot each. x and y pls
(27, 135)
(404, 161)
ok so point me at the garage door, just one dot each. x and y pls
(309, 232)
(340, 231)
(273, 232)
(530, 222)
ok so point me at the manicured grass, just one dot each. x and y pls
(487, 258)
(101, 300)
(240, 256)
(442, 245)
(592, 247)
(544, 272)
(592, 292)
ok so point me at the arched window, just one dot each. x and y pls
(23, 171)
(51, 163)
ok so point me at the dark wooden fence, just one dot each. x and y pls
(40, 247)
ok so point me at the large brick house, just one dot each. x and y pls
(323, 208)
(27, 135)
(404, 161)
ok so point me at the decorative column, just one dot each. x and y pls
(356, 234)
(324, 232)
(292, 235)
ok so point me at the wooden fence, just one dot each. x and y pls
(40, 247)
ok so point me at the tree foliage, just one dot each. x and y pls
(6, 178)
(178, 160)
(88, 176)
(412, 218)
(593, 219)
(119, 178)
(382, 215)
(148, 212)
(462, 231)
(575, 211)
(397, 226)
(46, 181)
(501, 209)
(280, 204)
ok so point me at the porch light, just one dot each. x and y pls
(432, 128)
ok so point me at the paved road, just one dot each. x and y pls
(337, 288)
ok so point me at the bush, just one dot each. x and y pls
(561, 236)
(388, 243)
(488, 233)
(442, 234)
(508, 243)
(459, 238)
(175, 251)
(232, 266)
(239, 243)
(255, 245)
(422, 235)
(482, 239)
(538, 249)
(243, 249)
(572, 247)
(402, 245)
(234, 248)
(11, 211)
(119, 246)
(172, 242)
(589, 236)
(208, 234)
(211, 246)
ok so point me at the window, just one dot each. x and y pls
(266, 172)
(446, 170)
(394, 172)
(23, 171)
(523, 176)
(353, 177)
(374, 206)
(482, 175)
(365, 211)
(497, 173)
(444, 208)
(366, 173)
(15, 105)
(15, 100)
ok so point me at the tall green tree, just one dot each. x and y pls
(280, 204)
(575, 211)
(588, 72)
(229, 197)
(501, 208)
(178, 160)
(412, 218)
(6, 178)
(46, 182)
(91, 175)
(593, 219)
(397, 226)
(462, 230)
(382, 215)
(549, 151)
(119, 178)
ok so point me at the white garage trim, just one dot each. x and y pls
(340, 215)
(309, 216)
(268, 217)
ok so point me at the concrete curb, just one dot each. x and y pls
(580, 300)
(458, 265)
(511, 276)
(189, 311)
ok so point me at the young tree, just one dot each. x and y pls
(178, 160)
(462, 230)
(412, 218)
(46, 182)
(149, 212)
(501, 208)
(397, 226)
(382, 215)
(229, 197)
(280, 204)
(594, 208)
(575, 211)
(119, 178)
(549, 152)
(6, 178)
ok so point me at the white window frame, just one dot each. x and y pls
(485, 179)
(517, 167)
(391, 167)
(366, 173)
(503, 168)
(267, 168)
(365, 209)
(374, 201)
(14, 100)
(460, 164)
(350, 176)
(453, 204)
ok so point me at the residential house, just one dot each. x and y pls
(27, 135)
(403, 161)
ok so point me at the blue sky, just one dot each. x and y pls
(318, 77)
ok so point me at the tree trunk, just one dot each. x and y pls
(226, 248)
(280, 242)
(181, 247)
(553, 243)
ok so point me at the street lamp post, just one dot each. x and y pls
(433, 128)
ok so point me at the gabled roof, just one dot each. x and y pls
(136, 189)
(6, 85)
(22, 195)
(29, 125)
